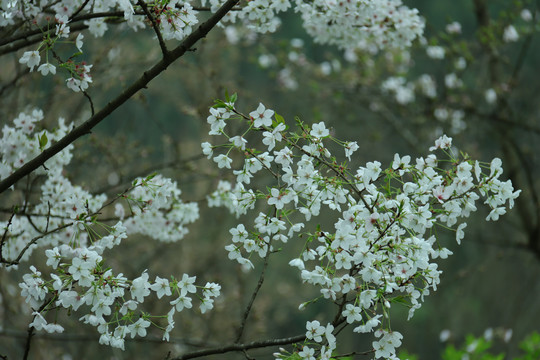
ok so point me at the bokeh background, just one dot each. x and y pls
(491, 280)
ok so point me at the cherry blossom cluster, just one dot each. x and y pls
(406, 90)
(379, 250)
(357, 24)
(111, 303)
(154, 208)
(66, 213)
(402, 85)
(176, 22)
(353, 24)
(79, 77)
(382, 246)
(65, 220)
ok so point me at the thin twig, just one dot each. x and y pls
(32, 242)
(28, 342)
(30, 333)
(83, 5)
(155, 26)
(254, 295)
(89, 100)
(110, 16)
(17, 45)
(351, 354)
(6, 230)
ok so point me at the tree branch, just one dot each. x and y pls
(139, 84)
(79, 10)
(162, 45)
(28, 342)
(78, 18)
(241, 347)
(33, 39)
(254, 295)
(30, 243)
(6, 230)
(66, 336)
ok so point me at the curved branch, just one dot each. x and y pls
(139, 84)
(241, 347)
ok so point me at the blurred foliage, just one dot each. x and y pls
(480, 348)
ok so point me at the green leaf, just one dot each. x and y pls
(43, 141)
(151, 176)
(400, 299)
(451, 353)
(403, 354)
(531, 347)
(219, 104)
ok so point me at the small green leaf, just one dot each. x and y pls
(43, 141)
(151, 176)
(219, 104)
(399, 299)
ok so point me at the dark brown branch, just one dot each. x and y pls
(352, 354)
(155, 26)
(32, 242)
(139, 84)
(41, 33)
(105, 14)
(66, 336)
(90, 101)
(191, 342)
(79, 10)
(6, 230)
(483, 19)
(531, 221)
(29, 335)
(253, 296)
(33, 39)
(20, 23)
(481, 11)
(241, 347)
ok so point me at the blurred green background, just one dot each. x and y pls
(491, 281)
